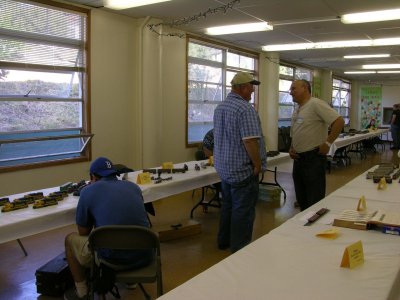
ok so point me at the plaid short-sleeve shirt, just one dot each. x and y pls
(234, 121)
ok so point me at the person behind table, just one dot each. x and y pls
(371, 124)
(239, 157)
(311, 142)
(208, 143)
(106, 201)
(395, 127)
(371, 142)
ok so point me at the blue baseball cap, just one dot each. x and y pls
(102, 166)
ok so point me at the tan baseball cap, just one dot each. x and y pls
(243, 77)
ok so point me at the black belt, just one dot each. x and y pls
(310, 153)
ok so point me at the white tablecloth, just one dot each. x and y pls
(24, 222)
(360, 186)
(348, 140)
(28, 221)
(292, 263)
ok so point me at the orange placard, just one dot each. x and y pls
(143, 178)
(362, 204)
(353, 256)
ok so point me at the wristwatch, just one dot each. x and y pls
(329, 144)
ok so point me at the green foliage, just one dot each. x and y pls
(38, 114)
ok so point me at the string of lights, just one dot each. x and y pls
(190, 19)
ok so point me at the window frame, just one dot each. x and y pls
(84, 135)
(339, 89)
(292, 77)
(225, 69)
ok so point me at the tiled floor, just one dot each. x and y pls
(181, 259)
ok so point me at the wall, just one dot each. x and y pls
(164, 99)
(113, 106)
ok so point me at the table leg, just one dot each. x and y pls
(22, 247)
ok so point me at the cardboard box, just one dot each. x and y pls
(271, 194)
(178, 230)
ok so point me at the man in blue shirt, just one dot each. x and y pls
(106, 201)
(239, 157)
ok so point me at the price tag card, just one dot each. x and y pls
(167, 165)
(332, 233)
(353, 256)
(382, 184)
(143, 178)
(362, 204)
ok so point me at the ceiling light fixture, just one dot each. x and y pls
(239, 28)
(382, 66)
(360, 72)
(389, 72)
(124, 4)
(371, 16)
(366, 56)
(334, 44)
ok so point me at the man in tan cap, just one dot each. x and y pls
(239, 157)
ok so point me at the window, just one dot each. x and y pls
(43, 84)
(210, 71)
(287, 74)
(341, 96)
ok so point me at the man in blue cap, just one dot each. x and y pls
(106, 201)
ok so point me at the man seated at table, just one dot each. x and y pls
(106, 201)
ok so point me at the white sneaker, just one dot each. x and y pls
(131, 286)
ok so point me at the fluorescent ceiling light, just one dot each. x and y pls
(239, 28)
(382, 66)
(371, 16)
(360, 72)
(366, 56)
(388, 72)
(123, 4)
(334, 44)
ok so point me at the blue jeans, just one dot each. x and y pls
(237, 213)
(395, 131)
(309, 178)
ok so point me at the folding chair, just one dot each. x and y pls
(128, 237)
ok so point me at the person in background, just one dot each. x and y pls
(371, 124)
(395, 127)
(239, 158)
(106, 201)
(369, 144)
(208, 143)
(311, 143)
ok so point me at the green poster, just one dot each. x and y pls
(371, 105)
(316, 90)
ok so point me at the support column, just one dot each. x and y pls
(355, 106)
(326, 85)
(269, 98)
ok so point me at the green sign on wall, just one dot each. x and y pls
(371, 105)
